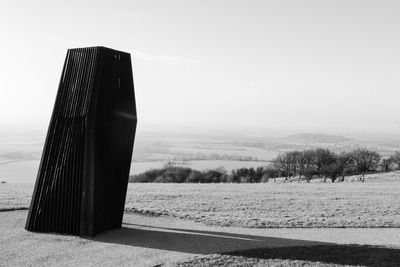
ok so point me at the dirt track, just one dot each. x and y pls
(150, 241)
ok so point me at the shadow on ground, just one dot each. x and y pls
(334, 254)
(250, 246)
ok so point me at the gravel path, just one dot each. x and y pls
(151, 241)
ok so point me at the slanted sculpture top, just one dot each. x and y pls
(83, 174)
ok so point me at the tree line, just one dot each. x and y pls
(325, 163)
(301, 165)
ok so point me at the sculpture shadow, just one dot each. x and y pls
(260, 247)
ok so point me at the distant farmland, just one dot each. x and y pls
(26, 171)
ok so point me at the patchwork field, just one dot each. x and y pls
(374, 203)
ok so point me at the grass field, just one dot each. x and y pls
(374, 203)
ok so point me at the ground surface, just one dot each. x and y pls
(150, 241)
(374, 203)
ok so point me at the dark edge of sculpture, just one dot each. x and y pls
(84, 170)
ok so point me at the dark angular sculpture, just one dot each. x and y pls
(83, 174)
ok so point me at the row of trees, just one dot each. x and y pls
(305, 164)
(325, 163)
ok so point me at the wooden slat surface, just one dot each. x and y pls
(83, 174)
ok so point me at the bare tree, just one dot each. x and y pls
(324, 159)
(344, 161)
(294, 157)
(306, 164)
(282, 164)
(366, 160)
(385, 164)
(395, 158)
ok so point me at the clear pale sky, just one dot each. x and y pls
(265, 64)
